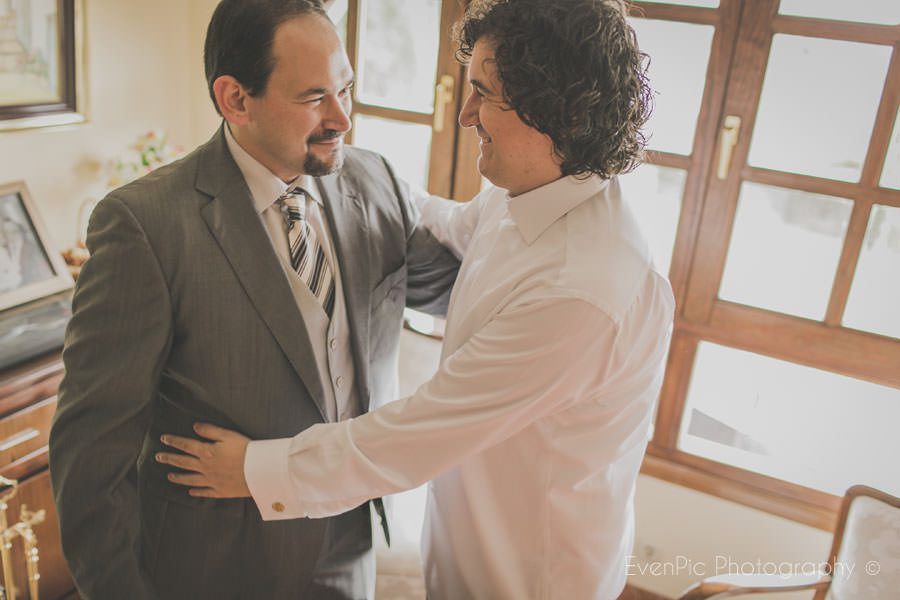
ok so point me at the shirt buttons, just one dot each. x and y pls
(339, 382)
(332, 344)
(278, 507)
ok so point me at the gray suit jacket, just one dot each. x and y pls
(182, 314)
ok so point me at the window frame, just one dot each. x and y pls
(444, 161)
(740, 51)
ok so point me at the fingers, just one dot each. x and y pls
(211, 432)
(182, 461)
(207, 493)
(186, 445)
(197, 480)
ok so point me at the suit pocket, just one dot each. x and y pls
(153, 481)
(393, 282)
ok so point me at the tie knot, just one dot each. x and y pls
(293, 206)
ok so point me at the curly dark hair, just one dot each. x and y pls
(572, 70)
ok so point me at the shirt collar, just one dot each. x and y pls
(534, 211)
(265, 186)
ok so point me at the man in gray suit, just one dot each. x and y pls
(259, 284)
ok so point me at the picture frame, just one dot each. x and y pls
(42, 68)
(30, 266)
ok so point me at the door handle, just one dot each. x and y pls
(443, 95)
(728, 139)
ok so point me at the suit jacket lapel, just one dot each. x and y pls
(350, 235)
(233, 221)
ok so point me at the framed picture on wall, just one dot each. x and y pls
(41, 63)
(30, 267)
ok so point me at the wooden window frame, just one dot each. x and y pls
(744, 31)
(444, 161)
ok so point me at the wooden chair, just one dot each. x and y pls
(864, 563)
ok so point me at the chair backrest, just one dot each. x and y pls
(865, 555)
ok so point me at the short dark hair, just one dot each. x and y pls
(572, 70)
(240, 37)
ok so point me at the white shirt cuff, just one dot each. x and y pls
(267, 475)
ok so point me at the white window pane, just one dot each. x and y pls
(654, 194)
(795, 423)
(398, 43)
(406, 145)
(818, 106)
(337, 12)
(679, 53)
(884, 12)
(874, 302)
(890, 176)
(784, 251)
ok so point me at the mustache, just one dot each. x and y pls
(328, 135)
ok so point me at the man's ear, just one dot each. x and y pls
(232, 99)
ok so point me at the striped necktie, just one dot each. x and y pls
(307, 255)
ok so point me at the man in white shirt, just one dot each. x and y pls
(534, 427)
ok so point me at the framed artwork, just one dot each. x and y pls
(41, 63)
(30, 267)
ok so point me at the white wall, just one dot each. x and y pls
(144, 60)
(204, 119)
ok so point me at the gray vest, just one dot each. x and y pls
(331, 345)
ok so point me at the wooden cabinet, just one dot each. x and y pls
(27, 404)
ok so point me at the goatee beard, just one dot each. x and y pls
(319, 168)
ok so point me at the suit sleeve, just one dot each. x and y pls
(452, 223)
(431, 267)
(116, 345)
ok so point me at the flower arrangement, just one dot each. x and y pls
(150, 151)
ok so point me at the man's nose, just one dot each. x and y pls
(468, 116)
(338, 117)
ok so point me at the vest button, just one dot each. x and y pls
(278, 507)
(339, 382)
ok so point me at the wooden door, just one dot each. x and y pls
(783, 369)
(407, 91)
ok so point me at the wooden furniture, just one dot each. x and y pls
(862, 565)
(633, 593)
(27, 404)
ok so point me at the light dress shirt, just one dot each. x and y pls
(266, 188)
(534, 427)
(330, 337)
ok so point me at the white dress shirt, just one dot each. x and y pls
(266, 188)
(534, 427)
(330, 337)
